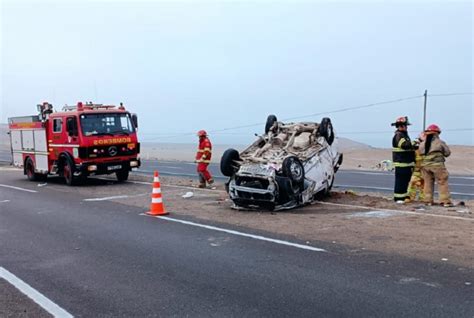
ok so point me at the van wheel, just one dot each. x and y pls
(339, 162)
(228, 162)
(271, 119)
(326, 130)
(122, 175)
(293, 169)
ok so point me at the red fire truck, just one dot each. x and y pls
(87, 139)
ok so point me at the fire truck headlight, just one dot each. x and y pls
(133, 163)
(92, 168)
(95, 151)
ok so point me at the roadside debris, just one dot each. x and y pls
(187, 195)
(385, 165)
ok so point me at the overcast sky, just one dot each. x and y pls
(190, 65)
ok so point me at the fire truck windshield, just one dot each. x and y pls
(106, 124)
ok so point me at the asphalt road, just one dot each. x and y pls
(461, 187)
(103, 258)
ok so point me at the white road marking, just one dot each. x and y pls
(115, 197)
(256, 237)
(4, 201)
(462, 193)
(171, 167)
(456, 177)
(9, 169)
(175, 186)
(164, 173)
(397, 211)
(389, 189)
(361, 187)
(17, 188)
(366, 172)
(34, 295)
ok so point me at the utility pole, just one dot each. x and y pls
(424, 109)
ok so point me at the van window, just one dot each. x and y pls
(57, 125)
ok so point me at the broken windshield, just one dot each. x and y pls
(106, 124)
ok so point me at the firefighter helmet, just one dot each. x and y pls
(433, 128)
(202, 133)
(401, 121)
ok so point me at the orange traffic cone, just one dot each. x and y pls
(157, 207)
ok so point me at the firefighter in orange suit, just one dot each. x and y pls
(403, 159)
(203, 158)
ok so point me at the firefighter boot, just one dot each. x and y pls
(202, 181)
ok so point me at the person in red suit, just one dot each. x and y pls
(203, 158)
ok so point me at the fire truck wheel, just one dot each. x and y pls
(30, 170)
(68, 172)
(122, 175)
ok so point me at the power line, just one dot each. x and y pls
(340, 110)
(451, 94)
(298, 117)
(358, 107)
(391, 131)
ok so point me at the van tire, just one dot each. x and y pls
(271, 119)
(326, 130)
(293, 169)
(228, 165)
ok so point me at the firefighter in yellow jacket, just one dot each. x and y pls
(435, 151)
(417, 183)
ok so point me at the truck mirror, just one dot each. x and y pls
(135, 120)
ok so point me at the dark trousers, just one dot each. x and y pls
(402, 179)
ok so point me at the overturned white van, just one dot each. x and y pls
(290, 165)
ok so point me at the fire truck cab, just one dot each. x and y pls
(79, 141)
